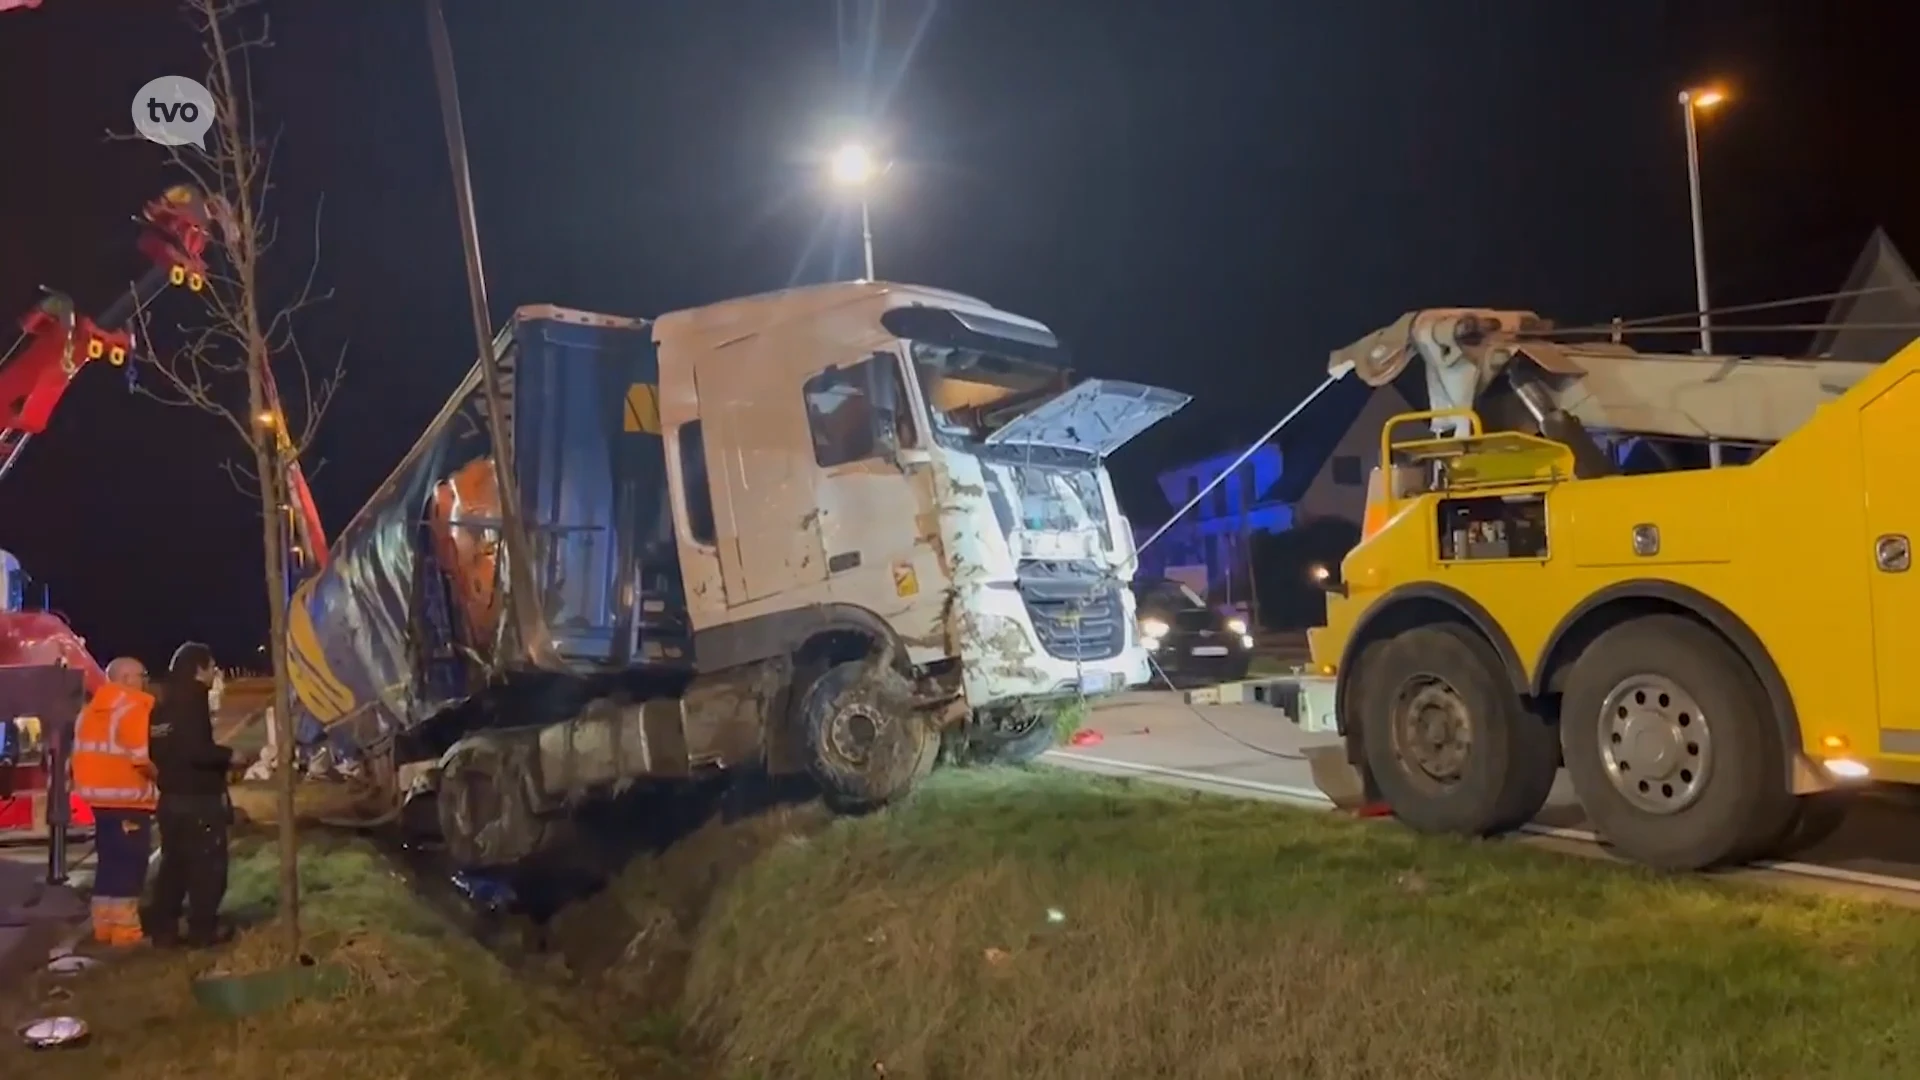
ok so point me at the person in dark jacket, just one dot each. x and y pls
(192, 773)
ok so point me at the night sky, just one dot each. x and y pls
(1206, 194)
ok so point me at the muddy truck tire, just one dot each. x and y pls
(865, 743)
(486, 804)
(1007, 741)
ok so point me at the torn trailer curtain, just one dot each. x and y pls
(405, 618)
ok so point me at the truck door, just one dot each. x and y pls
(1891, 458)
(757, 445)
(877, 516)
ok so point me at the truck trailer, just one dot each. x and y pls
(835, 530)
(1685, 579)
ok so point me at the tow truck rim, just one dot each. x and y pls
(1432, 731)
(1656, 744)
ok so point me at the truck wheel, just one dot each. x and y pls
(1670, 743)
(1016, 742)
(486, 812)
(1449, 744)
(865, 744)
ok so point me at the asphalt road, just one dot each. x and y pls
(1255, 751)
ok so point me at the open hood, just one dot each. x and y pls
(1096, 417)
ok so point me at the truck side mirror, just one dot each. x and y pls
(883, 395)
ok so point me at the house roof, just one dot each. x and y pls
(1307, 443)
(1882, 297)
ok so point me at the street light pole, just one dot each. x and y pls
(866, 234)
(1691, 102)
(855, 170)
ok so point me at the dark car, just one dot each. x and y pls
(1189, 641)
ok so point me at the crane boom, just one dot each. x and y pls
(1471, 356)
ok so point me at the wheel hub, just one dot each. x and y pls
(853, 734)
(1655, 743)
(1433, 730)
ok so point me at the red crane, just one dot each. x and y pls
(56, 341)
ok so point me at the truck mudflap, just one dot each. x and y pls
(1307, 700)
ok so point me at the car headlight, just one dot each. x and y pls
(1236, 626)
(1153, 628)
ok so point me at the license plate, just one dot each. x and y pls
(1210, 650)
(1096, 682)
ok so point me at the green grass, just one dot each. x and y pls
(1054, 926)
(425, 999)
(1198, 936)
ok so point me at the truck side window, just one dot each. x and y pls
(693, 483)
(841, 414)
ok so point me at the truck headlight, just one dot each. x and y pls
(1236, 626)
(1153, 628)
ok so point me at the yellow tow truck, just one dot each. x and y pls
(1721, 652)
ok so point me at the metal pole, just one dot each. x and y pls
(1699, 226)
(866, 235)
(1247, 453)
(1699, 248)
(522, 599)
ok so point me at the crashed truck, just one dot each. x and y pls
(1686, 579)
(836, 530)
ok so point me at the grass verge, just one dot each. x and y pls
(425, 999)
(1048, 925)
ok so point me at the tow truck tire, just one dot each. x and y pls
(1497, 777)
(865, 743)
(1722, 798)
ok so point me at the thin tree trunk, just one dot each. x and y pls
(273, 498)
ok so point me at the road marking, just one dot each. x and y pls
(1311, 796)
(1314, 797)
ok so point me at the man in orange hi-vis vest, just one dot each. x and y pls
(113, 774)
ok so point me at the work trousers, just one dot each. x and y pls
(193, 867)
(122, 844)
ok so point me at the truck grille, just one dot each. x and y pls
(1087, 626)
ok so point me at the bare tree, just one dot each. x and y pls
(242, 363)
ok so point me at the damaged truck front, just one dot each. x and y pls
(832, 530)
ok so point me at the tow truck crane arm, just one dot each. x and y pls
(1506, 365)
(57, 341)
(1511, 368)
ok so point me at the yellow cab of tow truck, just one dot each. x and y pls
(1720, 657)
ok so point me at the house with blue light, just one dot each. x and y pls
(1315, 469)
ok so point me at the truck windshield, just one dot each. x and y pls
(970, 393)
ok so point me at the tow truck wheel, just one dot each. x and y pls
(1671, 746)
(866, 745)
(1449, 744)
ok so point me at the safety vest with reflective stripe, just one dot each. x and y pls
(110, 763)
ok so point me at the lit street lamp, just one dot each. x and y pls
(854, 168)
(1691, 103)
